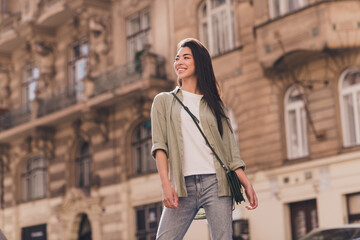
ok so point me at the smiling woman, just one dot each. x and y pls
(197, 180)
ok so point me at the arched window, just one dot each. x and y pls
(217, 28)
(141, 146)
(85, 228)
(349, 92)
(82, 166)
(295, 121)
(34, 179)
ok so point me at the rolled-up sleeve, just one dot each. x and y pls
(158, 125)
(235, 160)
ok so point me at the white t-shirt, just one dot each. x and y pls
(197, 155)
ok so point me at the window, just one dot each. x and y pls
(141, 146)
(217, 29)
(295, 121)
(29, 85)
(303, 218)
(138, 33)
(34, 179)
(349, 88)
(77, 67)
(85, 228)
(241, 229)
(147, 221)
(282, 7)
(353, 203)
(34, 232)
(82, 167)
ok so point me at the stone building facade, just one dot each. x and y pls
(77, 79)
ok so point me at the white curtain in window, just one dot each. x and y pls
(217, 27)
(296, 125)
(34, 179)
(138, 32)
(349, 88)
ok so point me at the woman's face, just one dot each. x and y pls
(184, 64)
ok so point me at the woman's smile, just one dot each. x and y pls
(184, 64)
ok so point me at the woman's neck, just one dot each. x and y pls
(190, 85)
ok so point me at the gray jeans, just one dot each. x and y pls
(202, 192)
(2, 236)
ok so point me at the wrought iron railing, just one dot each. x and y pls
(116, 78)
(15, 117)
(128, 74)
(57, 102)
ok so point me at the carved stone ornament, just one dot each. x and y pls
(90, 120)
(41, 141)
(5, 155)
(99, 44)
(5, 91)
(45, 60)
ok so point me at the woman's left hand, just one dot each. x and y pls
(251, 196)
(249, 190)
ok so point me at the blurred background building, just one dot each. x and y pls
(77, 79)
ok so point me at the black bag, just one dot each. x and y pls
(232, 178)
(235, 186)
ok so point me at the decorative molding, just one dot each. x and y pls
(5, 155)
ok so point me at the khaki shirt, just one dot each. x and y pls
(167, 136)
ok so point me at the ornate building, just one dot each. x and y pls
(77, 79)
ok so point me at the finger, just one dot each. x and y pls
(170, 203)
(176, 200)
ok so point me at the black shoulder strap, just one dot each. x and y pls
(196, 121)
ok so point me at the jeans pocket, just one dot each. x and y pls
(210, 182)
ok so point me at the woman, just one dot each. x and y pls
(191, 177)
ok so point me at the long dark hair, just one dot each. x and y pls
(206, 81)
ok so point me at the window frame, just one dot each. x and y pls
(301, 124)
(76, 86)
(28, 174)
(207, 38)
(143, 32)
(284, 7)
(307, 207)
(353, 91)
(27, 81)
(145, 165)
(243, 225)
(148, 231)
(352, 218)
(82, 164)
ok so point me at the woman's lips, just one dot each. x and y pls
(181, 70)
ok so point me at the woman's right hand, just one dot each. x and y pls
(170, 198)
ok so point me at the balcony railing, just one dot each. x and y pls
(45, 106)
(118, 77)
(57, 102)
(14, 117)
(150, 66)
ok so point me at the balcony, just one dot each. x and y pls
(9, 36)
(54, 13)
(114, 86)
(131, 75)
(323, 24)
